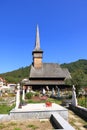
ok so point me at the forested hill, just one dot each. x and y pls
(78, 65)
(17, 75)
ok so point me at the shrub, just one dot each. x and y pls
(29, 95)
(37, 94)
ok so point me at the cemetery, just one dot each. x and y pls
(40, 98)
(56, 114)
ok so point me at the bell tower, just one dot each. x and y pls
(37, 52)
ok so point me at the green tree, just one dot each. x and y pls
(78, 79)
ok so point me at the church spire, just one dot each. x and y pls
(37, 52)
(37, 42)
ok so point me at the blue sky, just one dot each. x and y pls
(62, 25)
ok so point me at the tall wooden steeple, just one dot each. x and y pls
(37, 52)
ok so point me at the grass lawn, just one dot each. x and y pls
(4, 109)
(27, 125)
(38, 100)
(82, 101)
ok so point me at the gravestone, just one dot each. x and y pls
(23, 95)
(53, 92)
(18, 96)
(58, 91)
(74, 99)
(43, 91)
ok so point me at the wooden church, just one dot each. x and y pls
(44, 74)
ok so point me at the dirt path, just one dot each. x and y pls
(77, 122)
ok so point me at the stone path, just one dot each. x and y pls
(4, 117)
(1, 115)
(77, 122)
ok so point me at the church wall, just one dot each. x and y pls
(37, 62)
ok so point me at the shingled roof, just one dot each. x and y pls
(49, 70)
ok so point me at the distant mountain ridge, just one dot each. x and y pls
(17, 75)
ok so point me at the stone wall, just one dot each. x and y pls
(59, 123)
(36, 114)
(81, 111)
(37, 62)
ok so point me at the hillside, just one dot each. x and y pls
(17, 75)
(78, 65)
(78, 72)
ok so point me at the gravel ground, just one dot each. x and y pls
(77, 122)
(27, 125)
